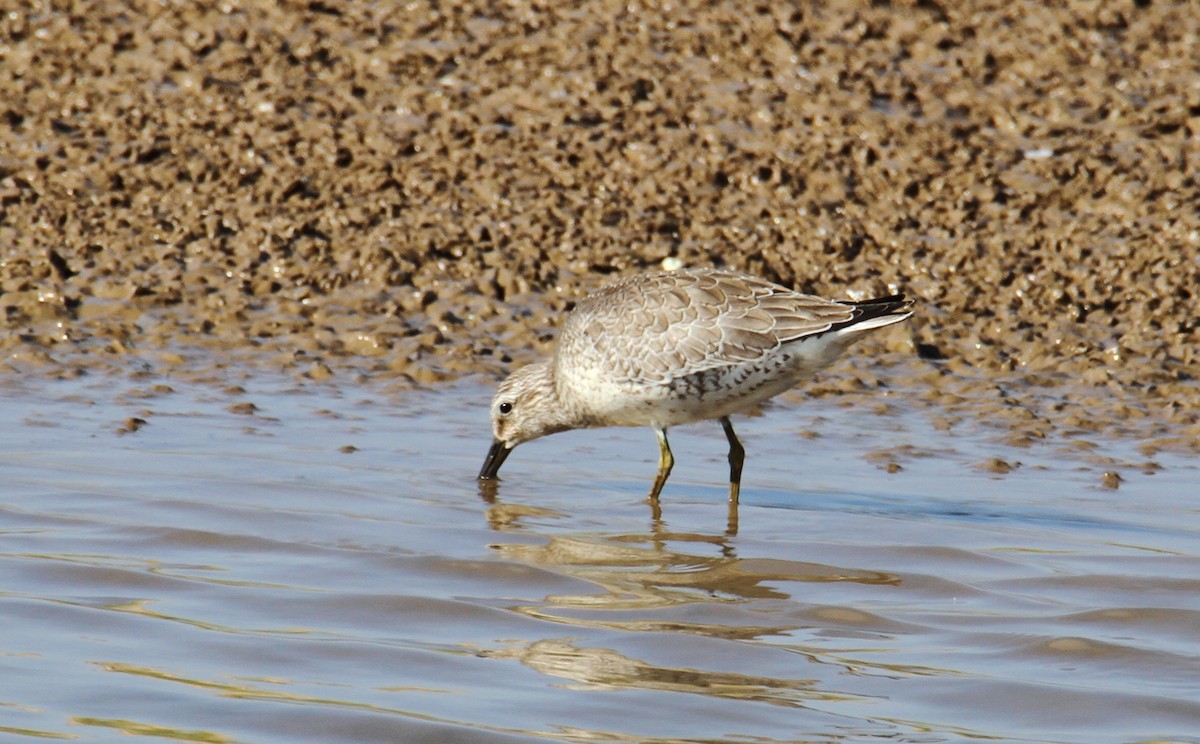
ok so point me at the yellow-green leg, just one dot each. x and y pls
(666, 461)
(737, 456)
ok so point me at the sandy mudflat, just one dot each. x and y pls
(415, 191)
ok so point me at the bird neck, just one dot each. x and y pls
(559, 411)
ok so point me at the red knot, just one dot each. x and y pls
(675, 347)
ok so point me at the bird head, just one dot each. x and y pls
(525, 407)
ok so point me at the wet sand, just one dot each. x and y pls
(416, 192)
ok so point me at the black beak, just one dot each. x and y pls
(495, 458)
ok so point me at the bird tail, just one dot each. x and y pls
(876, 313)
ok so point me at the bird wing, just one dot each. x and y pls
(666, 325)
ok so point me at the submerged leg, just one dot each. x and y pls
(665, 462)
(736, 456)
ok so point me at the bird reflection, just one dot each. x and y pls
(602, 668)
(658, 580)
(499, 515)
(658, 567)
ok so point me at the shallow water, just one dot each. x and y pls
(228, 574)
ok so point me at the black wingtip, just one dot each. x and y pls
(874, 308)
(897, 299)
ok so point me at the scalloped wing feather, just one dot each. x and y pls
(667, 325)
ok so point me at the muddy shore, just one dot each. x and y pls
(415, 192)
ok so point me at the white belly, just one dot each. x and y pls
(706, 395)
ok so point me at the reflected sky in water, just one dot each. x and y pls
(321, 565)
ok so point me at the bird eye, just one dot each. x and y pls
(506, 407)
